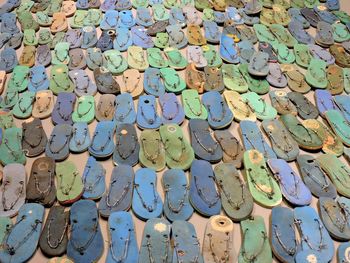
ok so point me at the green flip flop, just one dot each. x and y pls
(262, 185)
(85, 109)
(316, 75)
(78, 19)
(257, 85)
(60, 55)
(29, 37)
(175, 59)
(340, 32)
(284, 54)
(11, 147)
(161, 40)
(24, 105)
(233, 78)
(283, 35)
(19, 79)
(193, 107)
(339, 125)
(212, 56)
(60, 80)
(172, 81)
(302, 55)
(6, 119)
(114, 61)
(178, 151)
(155, 58)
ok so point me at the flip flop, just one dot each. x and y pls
(159, 12)
(195, 56)
(314, 177)
(192, 105)
(43, 104)
(123, 4)
(212, 32)
(281, 102)
(337, 171)
(11, 147)
(127, 145)
(324, 101)
(176, 16)
(316, 75)
(203, 195)
(219, 114)
(295, 78)
(264, 34)
(324, 34)
(147, 116)
(299, 33)
(105, 108)
(123, 39)
(122, 235)
(8, 59)
(195, 79)
(29, 37)
(303, 55)
(118, 196)
(277, 133)
(335, 79)
(59, 79)
(85, 227)
(172, 111)
(114, 61)
(60, 55)
(59, 22)
(233, 79)
(239, 108)
(172, 81)
(340, 32)
(74, 38)
(43, 55)
(343, 103)
(3, 79)
(89, 37)
(284, 242)
(80, 140)
(132, 82)
(237, 202)
(176, 189)
(281, 15)
(214, 79)
(276, 77)
(9, 99)
(305, 108)
(21, 238)
(63, 109)
(218, 239)
(254, 248)
(175, 59)
(152, 82)
(313, 235)
(9, 24)
(322, 54)
(284, 55)
(257, 85)
(102, 144)
(124, 109)
(195, 36)
(342, 16)
(83, 84)
(105, 82)
(137, 58)
(246, 51)
(161, 40)
(68, 8)
(93, 179)
(143, 16)
(38, 79)
(109, 20)
(177, 37)
(34, 138)
(58, 143)
(27, 57)
(342, 254)
(257, 105)
(228, 50)
(267, 17)
(253, 139)
(305, 137)
(262, 185)
(333, 5)
(77, 59)
(85, 110)
(140, 37)
(54, 236)
(267, 48)
(292, 187)
(146, 202)
(339, 125)
(283, 35)
(13, 189)
(24, 105)
(333, 215)
(19, 79)
(246, 33)
(339, 54)
(154, 159)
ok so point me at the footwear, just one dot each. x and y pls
(137, 58)
(152, 154)
(175, 59)
(195, 79)
(43, 104)
(54, 236)
(281, 102)
(195, 55)
(58, 143)
(211, 32)
(203, 144)
(324, 101)
(339, 54)
(246, 51)
(85, 110)
(315, 178)
(123, 243)
(38, 79)
(193, 107)
(321, 54)
(177, 37)
(80, 140)
(34, 138)
(282, 142)
(147, 116)
(127, 145)
(132, 82)
(241, 111)
(228, 51)
(156, 58)
(253, 139)
(176, 188)
(89, 37)
(236, 199)
(295, 78)
(119, 195)
(172, 111)
(267, 48)
(341, 254)
(123, 39)
(144, 16)
(13, 189)
(255, 241)
(124, 109)
(303, 55)
(214, 79)
(324, 34)
(102, 144)
(11, 150)
(342, 102)
(335, 79)
(203, 195)
(299, 33)
(8, 59)
(141, 38)
(339, 125)
(233, 79)
(146, 202)
(283, 36)
(63, 109)
(306, 110)
(43, 55)
(105, 108)
(276, 77)
(153, 83)
(59, 79)
(23, 107)
(261, 108)
(85, 226)
(19, 79)
(255, 84)
(114, 61)
(26, 231)
(172, 81)
(93, 179)
(83, 84)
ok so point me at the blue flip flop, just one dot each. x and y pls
(292, 187)
(153, 83)
(172, 111)
(80, 140)
(253, 139)
(86, 242)
(126, 19)
(122, 244)
(146, 202)
(176, 201)
(21, 239)
(228, 51)
(343, 103)
(324, 101)
(38, 79)
(219, 114)
(147, 115)
(57, 146)
(155, 244)
(110, 20)
(119, 195)
(144, 17)
(63, 109)
(93, 179)
(124, 109)
(211, 32)
(122, 39)
(186, 243)
(127, 146)
(177, 16)
(8, 59)
(102, 144)
(140, 37)
(203, 194)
